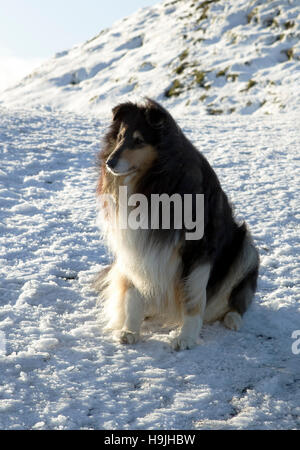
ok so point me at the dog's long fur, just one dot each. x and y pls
(159, 272)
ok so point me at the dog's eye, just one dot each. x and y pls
(138, 141)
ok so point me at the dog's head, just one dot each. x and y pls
(135, 135)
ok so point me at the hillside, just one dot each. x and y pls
(213, 57)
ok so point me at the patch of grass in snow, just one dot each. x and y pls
(31, 75)
(250, 85)
(222, 72)
(171, 3)
(271, 22)
(203, 15)
(188, 16)
(184, 54)
(175, 89)
(93, 99)
(181, 68)
(206, 3)
(214, 111)
(280, 37)
(232, 76)
(253, 16)
(289, 24)
(198, 40)
(199, 77)
(289, 53)
(232, 37)
(104, 31)
(145, 66)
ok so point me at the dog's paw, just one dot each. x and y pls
(233, 320)
(128, 337)
(183, 343)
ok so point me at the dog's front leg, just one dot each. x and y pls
(194, 303)
(134, 315)
(189, 332)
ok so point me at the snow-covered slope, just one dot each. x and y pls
(58, 370)
(213, 57)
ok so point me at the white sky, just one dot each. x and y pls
(34, 30)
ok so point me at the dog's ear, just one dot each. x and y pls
(121, 110)
(156, 115)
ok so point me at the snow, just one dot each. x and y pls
(60, 370)
(237, 64)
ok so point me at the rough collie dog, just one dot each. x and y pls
(157, 271)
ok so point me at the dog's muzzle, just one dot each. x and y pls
(111, 163)
(118, 166)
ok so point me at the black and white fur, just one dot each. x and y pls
(159, 272)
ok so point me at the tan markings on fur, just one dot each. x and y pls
(101, 185)
(216, 308)
(193, 311)
(175, 254)
(122, 132)
(178, 295)
(141, 158)
(124, 285)
(194, 306)
(195, 287)
(115, 287)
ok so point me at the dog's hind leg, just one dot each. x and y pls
(194, 302)
(233, 320)
(134, 315)
(240, 299)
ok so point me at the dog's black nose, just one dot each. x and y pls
(111, 163)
